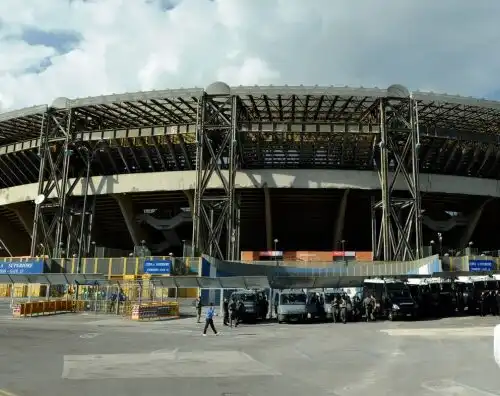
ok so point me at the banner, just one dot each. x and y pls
(157, 267)
(21, 267)
(481, 265)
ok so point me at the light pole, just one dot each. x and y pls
(89, 157)
(172, 264)
(275, 252)
(432, 246)
(93, 249)
(470, 247)
(440, 239)
(342, 243)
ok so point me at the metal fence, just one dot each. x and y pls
(122, 266)
(349, 268)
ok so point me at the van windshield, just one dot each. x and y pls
(329, 297)
(290, 299)
(398, 290)
(245, 297)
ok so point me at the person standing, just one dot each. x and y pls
(497, 301)
(225, 307)
(482, 303)
(198, 305)
(209, 320)
(233, 311)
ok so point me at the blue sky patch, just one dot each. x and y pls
(61, 41)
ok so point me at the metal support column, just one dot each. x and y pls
(61, 156)
(55, 153)
(400, 233)
(217, 160)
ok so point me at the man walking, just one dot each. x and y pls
(209, 321)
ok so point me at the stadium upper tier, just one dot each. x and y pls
(297, 179)
(286, 130)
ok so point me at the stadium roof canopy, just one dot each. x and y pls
(51, 279)
(263, 104)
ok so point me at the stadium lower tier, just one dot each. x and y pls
(300, 219)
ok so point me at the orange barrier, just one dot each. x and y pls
(155, 311)
(49, 307)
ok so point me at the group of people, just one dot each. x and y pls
(343, 306)
(233, 314)
(489, 302)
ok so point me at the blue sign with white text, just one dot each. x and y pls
(481, 265)
(21, 267)
(158, 267)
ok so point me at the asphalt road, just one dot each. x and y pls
(98, 355)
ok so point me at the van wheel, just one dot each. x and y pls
(281, 318)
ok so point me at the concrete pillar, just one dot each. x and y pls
(472, 224)
(269, 218)
(16, 242)
(338, 232)
(25, 212)
(190, 197)
(127, 209)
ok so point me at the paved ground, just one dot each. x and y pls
(98, 355)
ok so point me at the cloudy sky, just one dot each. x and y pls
(75, 48)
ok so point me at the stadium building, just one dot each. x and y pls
(251, 169)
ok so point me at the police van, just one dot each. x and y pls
(469, 288)
(435, 296)
(254, 302)
(393, 298)
(290, 305)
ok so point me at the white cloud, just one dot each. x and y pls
(445, 45)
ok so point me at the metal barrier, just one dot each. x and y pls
(48, 307)
(155, 311)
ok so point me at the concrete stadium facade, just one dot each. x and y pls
(308, 163)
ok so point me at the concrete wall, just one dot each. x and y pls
(428, 266)
(337, 179)
(353, 268)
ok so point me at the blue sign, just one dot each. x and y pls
(157, 267)
(21, 267)
(481, 265)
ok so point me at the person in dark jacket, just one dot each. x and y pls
(225, 308)
(198, 306)
(497, 301)
(483, 303)
(241, 312)
(233, 314)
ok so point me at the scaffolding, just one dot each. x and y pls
(62, 226)
(399, 235)
(218, 153)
